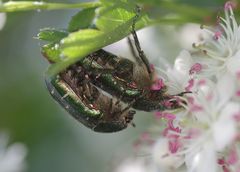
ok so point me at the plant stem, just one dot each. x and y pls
(13, 6)
(185, 9)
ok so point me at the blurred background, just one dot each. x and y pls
(54, 140)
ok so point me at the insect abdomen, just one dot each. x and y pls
(66, 97)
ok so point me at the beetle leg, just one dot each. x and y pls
(132, 102)
(133, 52)
(143, 58)
(129, 117)
(110, 109)
(90, 92)
(92, 58)
(104, 58)
(182, 93)
(103, 70)
(119, 99)
(96, 70)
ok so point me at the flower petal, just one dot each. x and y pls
(202, 160)
(163, 158)
(233, 63)
(225, 89)
(183, 62)
(131, 165)
(224, 130)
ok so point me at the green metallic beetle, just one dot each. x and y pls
(73, 91)
(123, 83)
(79, 89)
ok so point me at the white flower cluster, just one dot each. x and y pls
(12, 158)
(204, 136)
(2, 18)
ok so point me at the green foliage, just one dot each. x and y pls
(82, 19)
(79, 44)
(51, 52)
(112, 16)
(82, 40)
(51, 35)
(112, 21)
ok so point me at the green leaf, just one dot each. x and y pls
(113, 19)
(79, 44)
(79, 36)
(114, 15)
(82, 20)
(52, 52)
(51, 35)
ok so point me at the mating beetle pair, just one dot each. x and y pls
(86, 103)
(79, 89)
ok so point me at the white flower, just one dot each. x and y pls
(203, 159)
(132, 165)
(209, 126)
(200, 135)
(163, 158)
(190, 33)
(12, 158)
(205, 134)
(177, 77)
(2, 20)
(222, 48)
